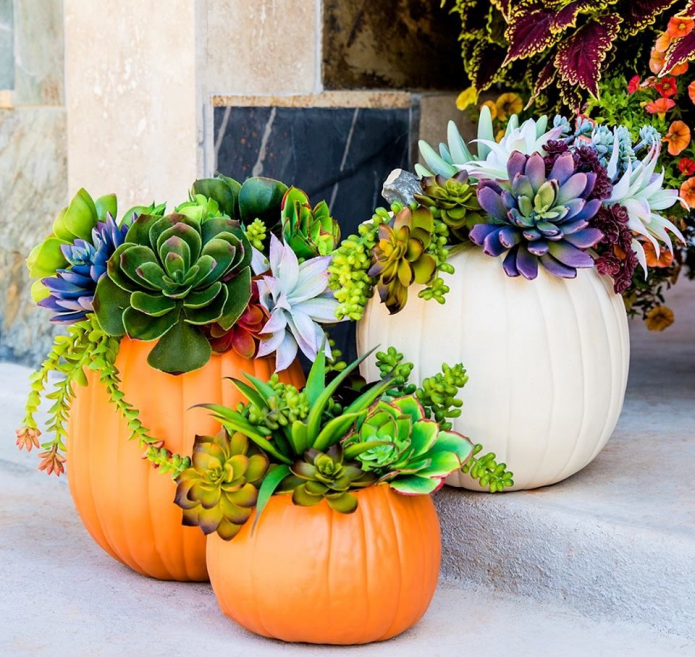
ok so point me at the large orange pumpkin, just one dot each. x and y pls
(314, 575)
(125, 504)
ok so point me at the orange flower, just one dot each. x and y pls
(667, 87)
(662, 43)
(687, 192)
(656, 61)
(679, 27)
(659, 318)
(677, 137)
(691, 91)
(660, 106)
(52, 461)
(665, 258)
(680, 69)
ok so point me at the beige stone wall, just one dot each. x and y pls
(33, 170)
(131, 95)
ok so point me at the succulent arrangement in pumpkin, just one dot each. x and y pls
(239, 267)
(328, 457)
(543, 194)
(327, 441)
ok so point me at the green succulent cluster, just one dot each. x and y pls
(310, 232)
(454, 201)
(395, 249)
(337, 436)
(409, 450)
(327, 475)
(172, 275)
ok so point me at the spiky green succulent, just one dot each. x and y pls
(411, 453)
(310, 232)
(400, 257)
(455, 200)
(172, 275)
(218, 493)
(327, 476)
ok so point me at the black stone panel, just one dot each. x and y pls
(341, 155)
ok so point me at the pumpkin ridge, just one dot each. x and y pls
(399, 596)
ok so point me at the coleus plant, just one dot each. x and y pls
(556, 47)
(325, 442)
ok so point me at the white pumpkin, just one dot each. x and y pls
(547, 360)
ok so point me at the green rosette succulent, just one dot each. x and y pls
(327, 475)
(411, 450)
(218, 493)
(399, 258)
(309, 232)
(172, 275)
(456, 200)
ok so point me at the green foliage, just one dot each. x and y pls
(438, 394)
(87, 347)
(488, 472)
(256, 233)
(310, 232)
(331, 438)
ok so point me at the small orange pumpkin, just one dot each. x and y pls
(125, 504)
(314, 575)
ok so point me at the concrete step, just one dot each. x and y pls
(617, 540)
(601, 564)
(63, 597)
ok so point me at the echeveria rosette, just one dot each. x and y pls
(310, 232)
(400, 257)
(327, 476)
(455, 200)
(539, 218)
(218, 493)
(171, 276)
(71, 290)
(298, 300)
(411, 453)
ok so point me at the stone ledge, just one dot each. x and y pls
(343, 99)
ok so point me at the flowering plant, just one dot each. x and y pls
(550, 194)
(194, 282)
(327, 441)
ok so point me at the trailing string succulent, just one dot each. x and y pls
(194, 281)
(332, 439)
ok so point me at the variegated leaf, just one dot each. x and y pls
(639, 14)
(579, 58)
(484, 64)
(689, 10)
(529, 33)
(682, 50)
(567, 16)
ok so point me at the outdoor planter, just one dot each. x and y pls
(123, 501)
(319, 576)
(548, 361)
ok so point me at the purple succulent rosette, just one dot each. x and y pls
(72, 288)
(538, 217)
